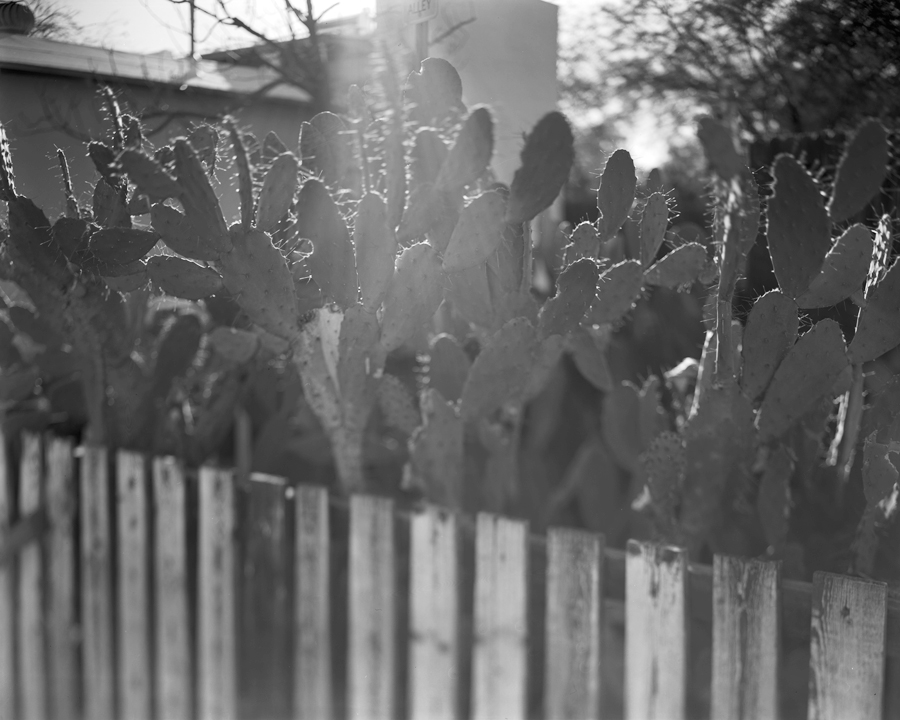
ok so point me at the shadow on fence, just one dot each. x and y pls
(132, 589)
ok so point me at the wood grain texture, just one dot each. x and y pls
(434, 616)
(372, 646)
(217, 631)
(133, 587)
(96, 587)
(312, 609)
(62, 621)
(263, 642)
(173, 690)
(656, 632)
(746, 639)
(32, 670)
(501, 629)
(847, 649)
(574, 592)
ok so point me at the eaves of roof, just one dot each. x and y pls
(48, 57)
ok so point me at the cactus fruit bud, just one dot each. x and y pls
(653, 227)
(769, 334)
(376, 246)
(877, 327)
(616, 194)
(148, 175)
(183, 278)
(332, 263)
(258, 276)
(471, 153)
(176, 232)
(325, 147)
(414, 296)
(618, 288)
(477, 233)
(501, 371)
(547, 158)
(678, 268)
(860, 171)
(804, 377)
(843, 272)
(237, 346)
(436, 463)
(718, 146)
(577, 288)
(397, 405)
(277, 192)
(448, 367)
(201, 206)
(799, 229)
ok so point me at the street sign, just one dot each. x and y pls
(408, 12)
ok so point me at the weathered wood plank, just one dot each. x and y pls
(96, 587)
(312, 606)
(133, 587)
(7, 589)
(746, 658)
(572, 665)
(33, 685)
(173, 690)
(434, 616)
(62, 630)
(656, 632)
(264, 625)
(372, 644)
(217, 628)
(847, 648)
(501, 629)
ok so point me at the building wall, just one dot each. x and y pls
(41, 113)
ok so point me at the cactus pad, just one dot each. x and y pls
(678, 268)
(616, 194)
(112, 248)
(436, 464)
(589, 355)
(860, 172)
(325, 147)
(577, 289)
(654, 222)
(428, 155)
(618, 288)
(718, 146)
(176, 232)
(200, 204)
(415, 293)
(844, 270)
(477, 233)
(585, 241)
(878, 324)
(183, 278)
(332, 263)
(435, 91)
(397, 405)
(769, 334)
(148, 175)
(376, 246)
(237, 346)
(547, 158)
(448, 367)
(277, 192)
(798, 229)
(804, 377)
(470, 154)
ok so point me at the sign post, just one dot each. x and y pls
(411, 12)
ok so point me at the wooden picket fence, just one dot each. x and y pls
(131, 589)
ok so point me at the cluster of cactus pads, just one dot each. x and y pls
(381, 236)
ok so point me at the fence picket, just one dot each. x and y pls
(173, 657)
(217, 631)
(62, 645)
(312, 611)
(263, 657)
(574, 592)
(32, 658)
(847, 648)
(434, 616)
(7, 619)
(656, 632)
(373, 580)
(501, 629)
(133, 587)
(746, 638)
(96, 587)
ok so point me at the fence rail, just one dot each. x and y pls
(131, 589)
